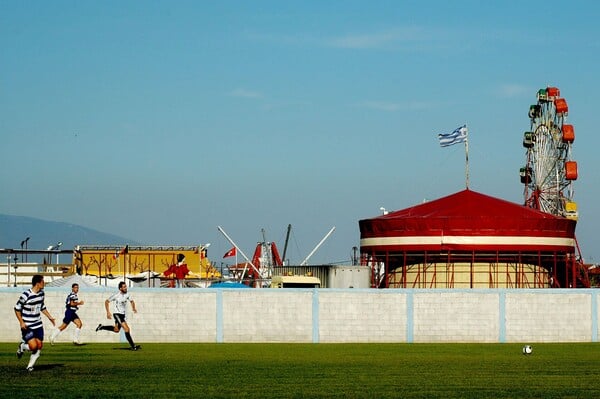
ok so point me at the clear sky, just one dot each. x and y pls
(161, 120)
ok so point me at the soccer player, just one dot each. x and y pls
(72, 304)
(28, 310)
(120, 300)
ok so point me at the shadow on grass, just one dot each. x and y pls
(51, 366)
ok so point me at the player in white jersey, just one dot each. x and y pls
(29, 309)
(72, 304)
(120, 300)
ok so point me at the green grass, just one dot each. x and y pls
(305, 371)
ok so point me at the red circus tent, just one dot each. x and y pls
(467, 223)
(468, 220)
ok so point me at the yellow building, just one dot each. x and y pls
(129, 261)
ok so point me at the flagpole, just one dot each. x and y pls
(458, 135)
(467, 157)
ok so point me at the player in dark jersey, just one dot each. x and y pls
(29, 309)
(72, 304)
(120, 300)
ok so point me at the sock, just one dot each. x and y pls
(54, 334)
(108, 328)
(76, 334)
(129, 339)
(24, 346)
(34, 356)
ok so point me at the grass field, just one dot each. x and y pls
(304, 371)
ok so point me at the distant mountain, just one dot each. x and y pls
(43, 233)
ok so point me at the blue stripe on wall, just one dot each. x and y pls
(410, 319)
(219, 320)
(502, 317)
(315, 316)
(594, 300)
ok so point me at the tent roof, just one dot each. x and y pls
(467, 220)
(468, 203)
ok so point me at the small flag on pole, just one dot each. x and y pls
(231, 252)
(123, 251)
(459, 135)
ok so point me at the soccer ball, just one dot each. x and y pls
(527, 350)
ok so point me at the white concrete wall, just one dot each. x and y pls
(330, 315)
(361, 316)
(463, 316)
(549, 317)
(267, 315)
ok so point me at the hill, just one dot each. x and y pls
(42, 233)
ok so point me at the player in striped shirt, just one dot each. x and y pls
(72, 304)
(29, 309)
(120, 300)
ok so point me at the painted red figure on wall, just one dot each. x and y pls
(179, 270)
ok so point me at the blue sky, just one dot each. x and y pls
(159, 121)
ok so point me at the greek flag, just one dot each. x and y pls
(459, 135)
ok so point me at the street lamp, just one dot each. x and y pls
(8, 270)
(24, 242)
(57, 254)
(204, 246)
(15, 259)
(54, 248)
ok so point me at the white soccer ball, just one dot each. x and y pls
(527, 350)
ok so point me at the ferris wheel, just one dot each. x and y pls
(549, 171)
